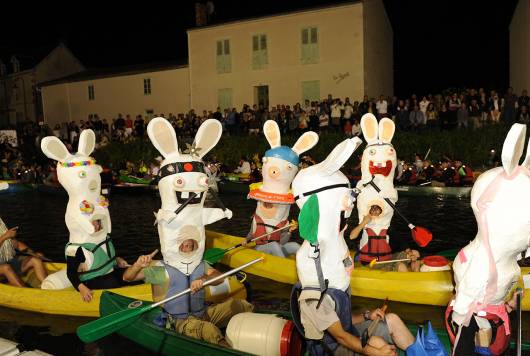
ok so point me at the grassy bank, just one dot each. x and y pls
(470, 146)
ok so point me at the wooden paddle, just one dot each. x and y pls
(420, 235)
(373, 325)
(109, 324)
(215, 254)
(519, 316)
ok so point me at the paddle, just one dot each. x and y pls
(217, 200)
(214, 255)
(420, 235)
(106, 325)
(33, 254)
(375, 262)
(182, 206)
(371, 328)
(519, 321)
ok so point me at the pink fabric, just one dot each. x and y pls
(462, 256)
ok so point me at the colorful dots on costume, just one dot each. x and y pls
(86, 207)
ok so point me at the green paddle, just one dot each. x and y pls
(102, 327)
(215, 254)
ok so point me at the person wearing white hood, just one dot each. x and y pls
(320, 303)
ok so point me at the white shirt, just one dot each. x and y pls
(335, 110)
(323, 120)
(244, 168)
(381, 106)
(348, 111)
(423, 105)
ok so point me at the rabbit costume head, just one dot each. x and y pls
(183, 179)
(323, 194)
(80, 176)
(378, 163)
(486, 270)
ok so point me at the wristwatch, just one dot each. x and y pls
(366, 315)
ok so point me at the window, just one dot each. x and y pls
(224, 98)
(309, 47)
(223, 61)
(259, 51)
(91, 95)
(149, 114)
(311, 90)
(147, 86)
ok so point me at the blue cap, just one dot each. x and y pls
(285, 153)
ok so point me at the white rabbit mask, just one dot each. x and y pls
(486, 270)
(327, 193)
(80, 177)
(181, 175)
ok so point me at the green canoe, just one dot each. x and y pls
(166, 342)
(132, 179)
(457, 192)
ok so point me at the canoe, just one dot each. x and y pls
(457, 192)
(166, 342)
(16, 186)
(123, 178)
(68, 301)
(430, 288)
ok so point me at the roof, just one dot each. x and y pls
(339, 3)
(100, 73)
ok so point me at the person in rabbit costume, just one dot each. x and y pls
(90, 254)
(183, 186)
(320, 303)
(378, 163)
(486, 270)
(280, 165)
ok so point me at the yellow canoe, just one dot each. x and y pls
(430, 288)
(68, 301)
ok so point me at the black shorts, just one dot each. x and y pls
(108, 281)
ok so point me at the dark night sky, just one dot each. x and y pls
(437, 44)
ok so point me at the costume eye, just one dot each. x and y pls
(82, 174)
(203, 181)
(372, 151)
(179, 182)
(390, 151)
(289, 167)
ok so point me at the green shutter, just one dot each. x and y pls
(311, 90)
(224, 98)
(309, 46)
(222, 61)
(259, 52)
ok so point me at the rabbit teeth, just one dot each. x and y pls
(383, 168)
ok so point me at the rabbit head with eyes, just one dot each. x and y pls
(486, 270)
(280, 165)
(80, 177)
(324, 196)
(183, 175)
(378, 163)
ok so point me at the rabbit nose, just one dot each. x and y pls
(274, 172)
(92, 185)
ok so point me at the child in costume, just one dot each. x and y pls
(181, 219)
(320, 303)
(280, 165)
(486, 270)
(90, 256)
(378, 164)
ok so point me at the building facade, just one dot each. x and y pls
(343, 50)
(20, 97)
(520, 47)
(133, 91)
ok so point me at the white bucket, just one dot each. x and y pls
(259, 334)
(57, 280)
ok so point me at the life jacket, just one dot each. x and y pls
(261, 230)
(327, 344)
(448, 176)
(102, 263)
(499, 338)
(467, 177)
(188, 304)
(376, 247)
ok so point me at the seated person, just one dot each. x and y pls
(447, 175)
(16, 258)
(244, 166)
(428, 173)
(408, 176)
(203, 324)
(84, 280)
(379, 246)
(463, 174)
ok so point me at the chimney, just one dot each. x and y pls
(200, 14)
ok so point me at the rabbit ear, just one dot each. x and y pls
(513, 146)
(207, 136)
(386, 130)
(54, 148)
(163, 137)
(306, 142)
(340, 154)
(369, 128)
(272, 133)
(87, 142)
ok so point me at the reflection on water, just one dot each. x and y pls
(40, 217)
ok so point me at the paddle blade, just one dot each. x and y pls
(213, 255)
(109, 324)
(421, 236)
